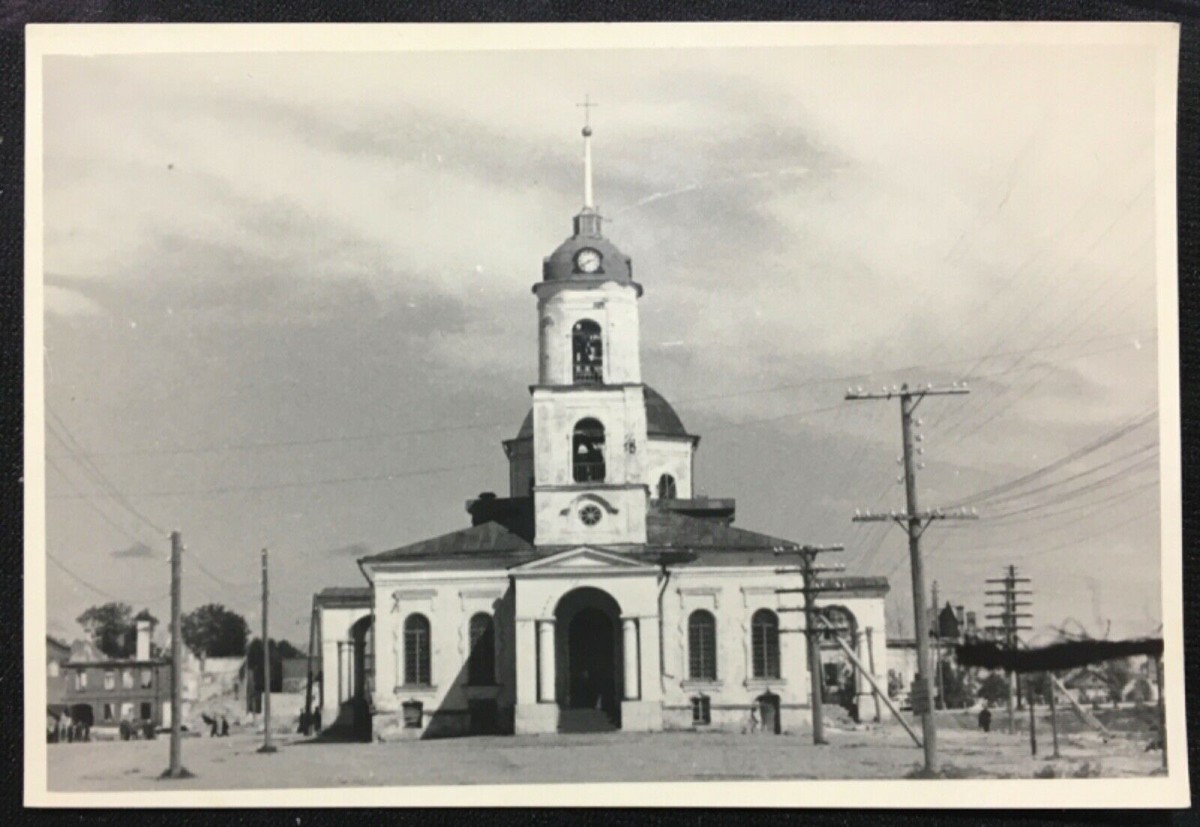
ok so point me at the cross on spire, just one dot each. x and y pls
(588, 203)
(587, 110)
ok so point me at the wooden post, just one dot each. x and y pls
(1032, 725)
(871, 680)
(871, 663)
(814, 652)
(175, 769)
(1053, 715)
(266, 647)
(1162, 709)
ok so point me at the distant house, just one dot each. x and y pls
(57, 654)
(1087, 686)
(100, 691)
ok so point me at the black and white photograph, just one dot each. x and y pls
(635, 413)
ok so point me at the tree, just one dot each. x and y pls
(1116, 674)
(110, 627)
(213, 631)
(1037, 687)
(277, 651)
(994, 688)
(954, 682)
(287, 650)
(113, 628)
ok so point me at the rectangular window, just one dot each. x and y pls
(147, 678)
(108, 712)
(127, 679)
(110, 679)
(81, 679)
(126, 711)
(147, 712)
(701, 711)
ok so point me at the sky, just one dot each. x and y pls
(287, 304)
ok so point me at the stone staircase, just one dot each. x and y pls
(584, 720)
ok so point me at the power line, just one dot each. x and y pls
(1091, 447)
(813, 381)
(98, 475)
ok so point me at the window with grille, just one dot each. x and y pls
(702, 646)
(764, 640)
(416, 651)
(481, 663)
(588, 352)
(701, 711)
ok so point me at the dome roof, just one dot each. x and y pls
(614, 265)
(661, 419)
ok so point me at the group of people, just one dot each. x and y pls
(64, 729)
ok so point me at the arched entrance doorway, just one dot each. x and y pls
(588, 660)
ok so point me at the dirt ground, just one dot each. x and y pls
(879, 751)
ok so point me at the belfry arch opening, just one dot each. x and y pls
(587, 352)
(587, 451)
(666, 487)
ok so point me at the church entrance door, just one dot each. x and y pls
(592, 658)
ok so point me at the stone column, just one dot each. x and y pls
(342, 695)
(632, 660)
(546, 661)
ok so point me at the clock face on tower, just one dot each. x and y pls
(587, 260)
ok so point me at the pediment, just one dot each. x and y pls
(584, 560)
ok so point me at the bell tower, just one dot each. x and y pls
(589, 410)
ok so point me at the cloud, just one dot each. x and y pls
(353, 550)
(137, 550)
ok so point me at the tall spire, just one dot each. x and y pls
(588, 201)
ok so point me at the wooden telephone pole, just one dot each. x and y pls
(1010, 624)
(811, 587)
(266, 647)
(914, 521)
(175, 769)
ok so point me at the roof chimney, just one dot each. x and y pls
(145, 628)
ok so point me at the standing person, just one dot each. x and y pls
(66, 728)
(224, 727)
(985, 718)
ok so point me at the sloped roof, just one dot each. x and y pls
(704, 541)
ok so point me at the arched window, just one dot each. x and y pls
(666, 487)
(587, 351)
(416, 651)
(764, 643)
(587, 449)
(481, 662)
(702, 646)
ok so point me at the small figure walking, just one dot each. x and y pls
(754, 719)
(985, 718)
(224, 727)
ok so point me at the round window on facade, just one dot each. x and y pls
(590, 514)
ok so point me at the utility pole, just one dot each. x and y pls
(1010, 624)
(175, 769)
(1053, 713)
(871, 664)
(812, 631)
(915, 521)
(266, 690)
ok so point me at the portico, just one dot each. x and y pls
(587, 627)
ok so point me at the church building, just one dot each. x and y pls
(602, 592)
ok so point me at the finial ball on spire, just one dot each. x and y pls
(587, 132)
